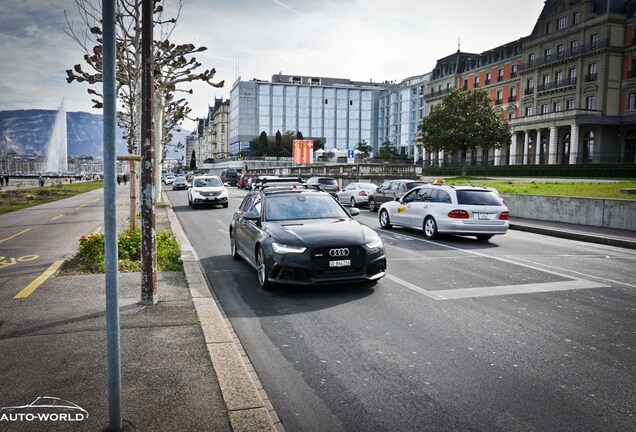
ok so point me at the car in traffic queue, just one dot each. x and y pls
(243, 180)
(302, 236)
(207, 189)
(356, 194)
(328, 184)
(179, 183)
(390, 190)
(168, 179)
(442, 209)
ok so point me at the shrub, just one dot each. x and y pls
(91, 252)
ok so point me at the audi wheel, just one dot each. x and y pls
(233, 251)
(262, 270)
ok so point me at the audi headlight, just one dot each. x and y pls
(376, 243)
(285, 249)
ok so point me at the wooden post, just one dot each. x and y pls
(132, 162)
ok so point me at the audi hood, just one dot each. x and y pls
(313, 233)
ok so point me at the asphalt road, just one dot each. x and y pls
(523, 333)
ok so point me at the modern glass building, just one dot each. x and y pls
(340, 112)
(400, 110)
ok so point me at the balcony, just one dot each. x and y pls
(631, 74)
(499, 101)
(572, 52)
(512, 98)
(590, 77)
(528, 91)
(560, 84)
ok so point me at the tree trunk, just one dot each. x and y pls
(464, 163)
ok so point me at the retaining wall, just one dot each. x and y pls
(608, 213)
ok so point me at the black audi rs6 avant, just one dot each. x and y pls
(302, 236)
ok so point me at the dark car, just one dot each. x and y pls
(231, 176)
(303, 236)
(328, 184)
(390, 190)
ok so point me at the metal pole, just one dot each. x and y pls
(110, 218)
(148, 239)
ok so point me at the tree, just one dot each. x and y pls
(173, 66)
(193, 161)
(463, 122)
(279, 142)
(364, 148)
(388, 151)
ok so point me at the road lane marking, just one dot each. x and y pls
(57, 217)
(571, 284)
(83, 205)
(28, 290)
(14, 235)
(97, 231)
(95, 200)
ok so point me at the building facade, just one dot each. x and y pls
(567, 90)
(340, 112)
(401, 108)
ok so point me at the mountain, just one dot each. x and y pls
(28, 131)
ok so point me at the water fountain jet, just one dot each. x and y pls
(56, 149)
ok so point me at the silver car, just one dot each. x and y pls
(441, 209)
(356, 194)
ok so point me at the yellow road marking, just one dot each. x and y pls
(95, 200)
(14, 235)
(57, 217)
(28, 290)
(83, 205)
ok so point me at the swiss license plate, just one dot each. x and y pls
(340, 263)
(482, 216)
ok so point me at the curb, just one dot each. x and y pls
(247, 404)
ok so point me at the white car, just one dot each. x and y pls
(207, 189)
(356, 194)
(442, 209)
(169, 179)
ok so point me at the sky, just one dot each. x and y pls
(362, 40)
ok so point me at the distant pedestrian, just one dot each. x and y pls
(118, 180)
(41, 181)
(124, 178)
(6, 180)
(1, 180)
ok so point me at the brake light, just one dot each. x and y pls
(337, 188)
(458, 214)
(504, 216)
(362, 193)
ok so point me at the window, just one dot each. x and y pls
(560, 51)
(591, 72)
(546, 81)
(500, 75)
(589, 102)
(588, 146)
(476, 81)
(557, 106)
(513, 71)
(569, 104)
(576, 18)
(574, 46)
(594, 39)
(558, 78)
(530, 84)
(549, 27)
(544, 108)
(631, 101)
(531, 59)
(499, 97)
(562, 23)
(513, 94)
(572, 75)
(511, 115)
(488, 77)
(547, 53)
(528, 111)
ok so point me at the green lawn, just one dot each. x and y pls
(17, 199)
(600, 189)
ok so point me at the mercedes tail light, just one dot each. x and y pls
(362, 193)
(458, 214)
(504, 216)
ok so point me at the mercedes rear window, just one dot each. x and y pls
(478, 197)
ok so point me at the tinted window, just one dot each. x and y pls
(478, 197)
(411, 185)
(443, 197)
(327, 181)
(302, 206)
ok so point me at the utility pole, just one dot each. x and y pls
(148, 235)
